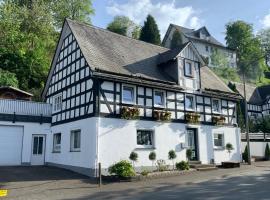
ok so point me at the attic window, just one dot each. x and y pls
(188, 69)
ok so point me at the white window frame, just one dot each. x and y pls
(223, 141)
(219, 106)
(134, 94)
(163, 100)
(72, 133)
(194, 102)
(152, 139)
(57, 102)
(56, 146)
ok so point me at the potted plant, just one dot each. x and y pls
(130, 113)
(172, 156)
(267, 152)
(192, 117)
(218, 120)
(152, 157)
(189, 154)
(229, 148)
(133, 157)
(161, 115)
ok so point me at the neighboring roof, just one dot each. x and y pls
(194, 35)
(252, 94)
(106, 51)
(16, 90)
(264, 92)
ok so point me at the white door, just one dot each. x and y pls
(11, 138)
(38, 150)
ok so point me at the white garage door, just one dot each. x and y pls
(10, 145)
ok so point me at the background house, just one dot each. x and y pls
(9, 92)
(205, 43)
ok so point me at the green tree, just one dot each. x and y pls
(239, 36)
(176, 40)
(124, 26)
(150, 32)
(172, 156)
(267, 152)
(79, 10)
(8, 79)
(133, 157)
(152, 157)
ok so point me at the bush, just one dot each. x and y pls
(245, 154)
(145, 172)
(161, 165)
(172, 156)
(152, 157)
(183, 165)
(267, 152)
(122, 169)
(189, 154)
(133, 156)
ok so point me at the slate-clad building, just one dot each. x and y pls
(112, 95)
(205, 43)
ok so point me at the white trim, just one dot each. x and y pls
(223, 141)
(57, 108)
(134, 94)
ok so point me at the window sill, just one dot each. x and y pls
(145, 148)
(56, 151)
(75, 150)
(219, 148)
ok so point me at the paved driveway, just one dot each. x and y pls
(248, 182)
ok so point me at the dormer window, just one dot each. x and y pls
(128, 94)
(188, 69)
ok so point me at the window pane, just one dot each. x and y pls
(189, 102)
(218, 140)
(128, 94)
(188, 68)
(144, 138)
(159, 98)
(40, 145)
(35, 145)
(216, 105)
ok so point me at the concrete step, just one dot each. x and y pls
(201, 165)
(195, 162)
(206, 168)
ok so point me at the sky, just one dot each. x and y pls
(214, 14)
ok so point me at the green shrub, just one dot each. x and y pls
(133, 157)
(172, 156)
(145, 172)
(183, 165)
(152, 157)
(123, 169)
(267, 152)
(189, 154)
(245, 154)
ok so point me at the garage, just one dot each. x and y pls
(11, 145)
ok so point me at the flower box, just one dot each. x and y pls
(161, 115)
(130, 113)
(218, 120)
(193, 117)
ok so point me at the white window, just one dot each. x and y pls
(188, 69)
(206, 48)
(128, 95)
(216, 105)
(75, 140)
(159, 98)
(57, 103)
(145, 138)
(190, 104)
(219, 140)
(57, 142)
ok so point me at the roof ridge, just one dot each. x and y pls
(116, 34)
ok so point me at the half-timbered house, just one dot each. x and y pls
(112, 95)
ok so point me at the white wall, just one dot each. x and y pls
(256, 148)
(29, 129)
(86, 157)
(117, 139)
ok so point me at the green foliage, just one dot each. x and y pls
(130, 113)
(171, 155)
(145, 172)
(229, 147)
(122, 169)
(183, 165)
(79, 10)
(189, 154)
(8, 79)
(152, 156)
(239, 36)
(245, 154)
(133, 156)
(260, 125)
(150, 32)
(267, 152)
(176, 40)
(124, 26)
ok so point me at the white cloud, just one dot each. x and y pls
(266, 21)
(164, 13)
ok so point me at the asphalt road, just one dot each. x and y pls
(248, 182)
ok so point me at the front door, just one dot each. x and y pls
(192, 143)
(38, 148)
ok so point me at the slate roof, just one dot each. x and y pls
(2, 88)
(111, 52)
(193, 35)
